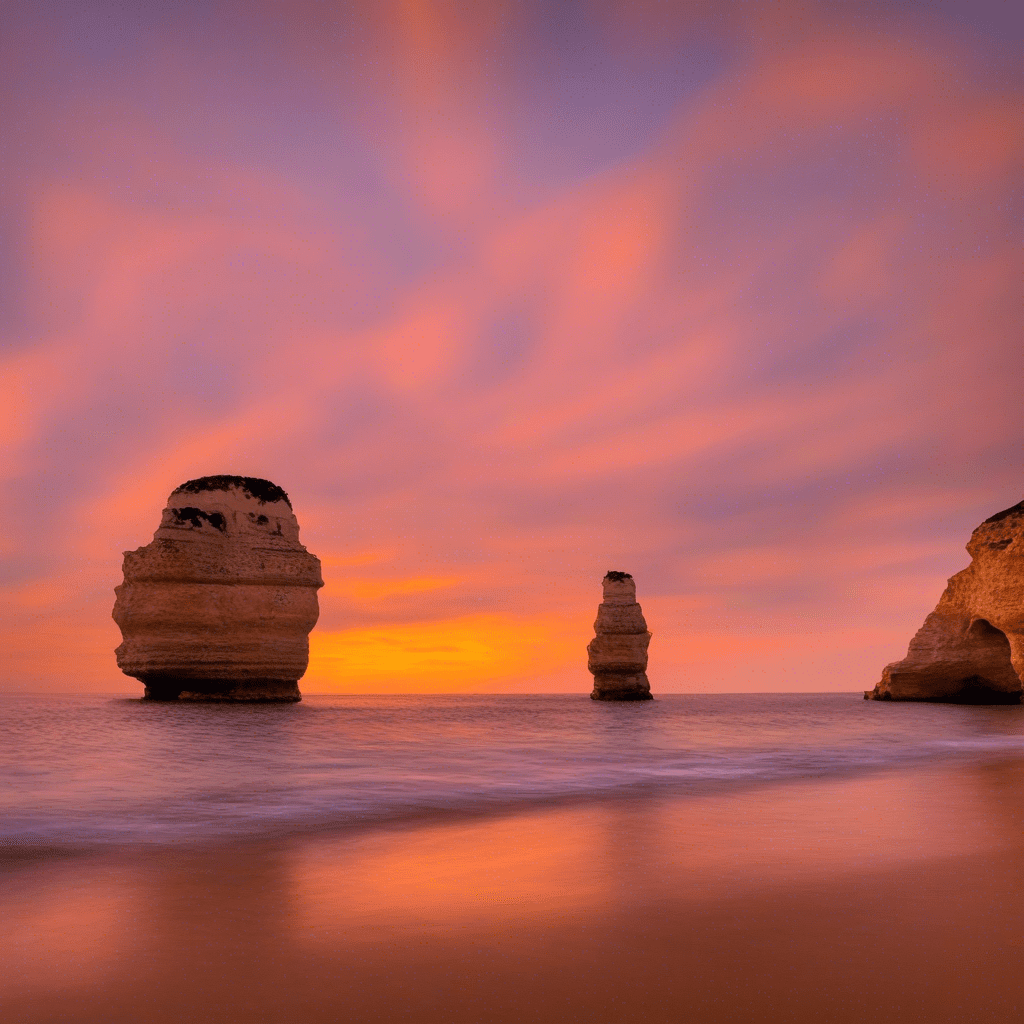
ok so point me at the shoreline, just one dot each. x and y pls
(14, 855)
(894, 894)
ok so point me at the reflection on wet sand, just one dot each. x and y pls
(893, 896)
(613, 854)
(70, 933)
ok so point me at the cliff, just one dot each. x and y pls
(970, 649)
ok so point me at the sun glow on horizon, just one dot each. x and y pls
(450, 654)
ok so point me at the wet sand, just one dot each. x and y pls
(890, 897)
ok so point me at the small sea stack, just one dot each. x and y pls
(970, 649)
(219, 606)
(617, 656)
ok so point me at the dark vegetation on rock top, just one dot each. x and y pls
(260, 490)
(196, 517)
(617, 576)
(1016, 510)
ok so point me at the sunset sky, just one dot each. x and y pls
(505, 295)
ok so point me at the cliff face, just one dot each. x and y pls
(970, 649)
(617, 656)
(220, 604)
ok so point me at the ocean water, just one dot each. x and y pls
(80, 771)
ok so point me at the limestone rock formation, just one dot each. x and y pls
(617, 656)
(970, 650)
(219, 606)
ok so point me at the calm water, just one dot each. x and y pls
(81, 770)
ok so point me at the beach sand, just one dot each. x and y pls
(887, 897)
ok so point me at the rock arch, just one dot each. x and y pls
(994, 680)
(970, 649)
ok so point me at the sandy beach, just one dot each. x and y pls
(892, 896)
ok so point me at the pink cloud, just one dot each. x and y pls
(765, 358)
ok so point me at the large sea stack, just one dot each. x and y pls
(219, 606)
(970, 650)
(617, 656)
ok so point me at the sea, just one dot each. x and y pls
(86, 771)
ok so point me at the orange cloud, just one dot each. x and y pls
(369, 589)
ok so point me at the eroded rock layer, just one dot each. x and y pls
(970, 649)
(219, 606)
(617, 656)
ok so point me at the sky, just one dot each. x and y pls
(505, 295)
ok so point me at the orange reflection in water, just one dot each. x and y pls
(530, 866)
(67, 934)
(627, 852)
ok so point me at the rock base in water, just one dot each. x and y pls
(621, 687)
(970, 691)
(970, 649)
(252, 691)
(617, 656)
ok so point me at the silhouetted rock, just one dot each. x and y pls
(219, 606)
(970, 650)
(617, 656)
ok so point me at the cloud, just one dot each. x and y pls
(728, 301)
